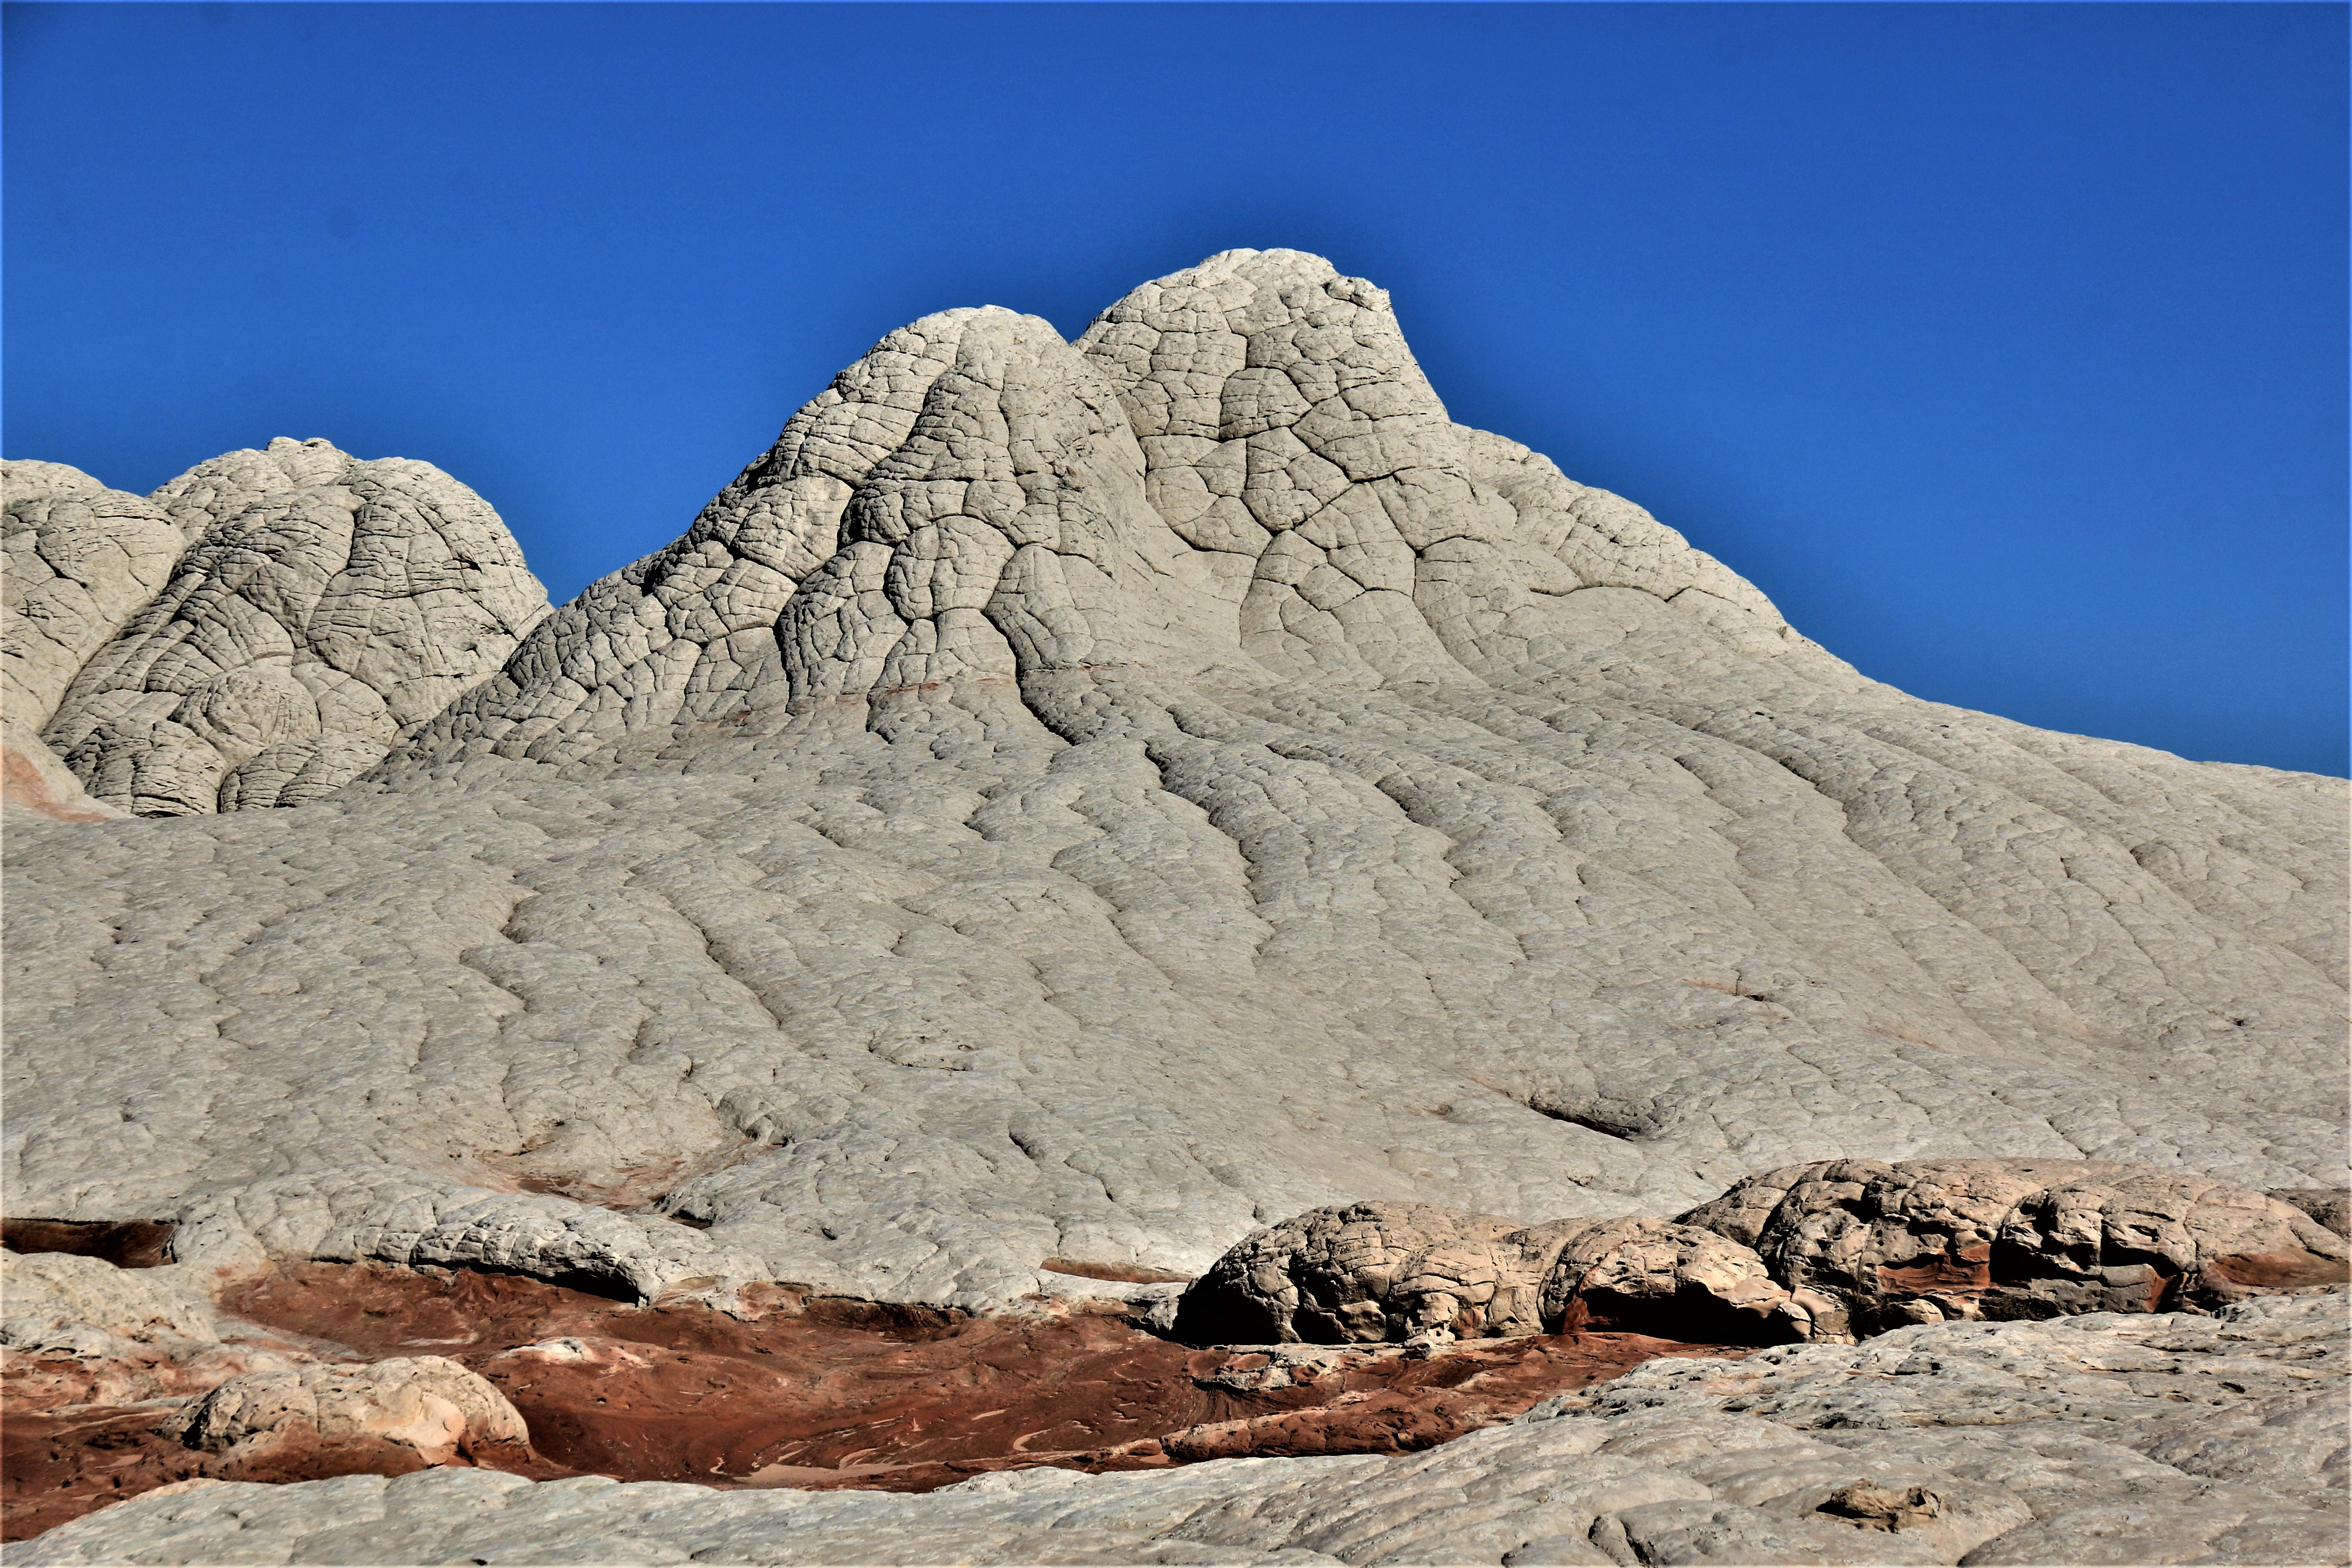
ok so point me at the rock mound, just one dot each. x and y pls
(323, 605)
(1077, 801)
(428, 1404)
(1826, 1251)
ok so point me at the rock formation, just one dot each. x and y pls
(1064, 806)
(1824, 1252)
(428, 1404)
(321, 607)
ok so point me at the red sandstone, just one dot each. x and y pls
(803, 1391)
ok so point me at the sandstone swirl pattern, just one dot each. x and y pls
(1086, 801)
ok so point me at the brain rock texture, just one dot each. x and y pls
(322, 607)
(1079, 802)
(1825, 1251)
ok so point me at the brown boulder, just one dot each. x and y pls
(1676, 1282)
(1368, 1272)
(1883, 1243)
(1361, 1273)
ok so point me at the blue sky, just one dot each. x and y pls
(2004, 346)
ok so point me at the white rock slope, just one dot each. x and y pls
(1086, 801)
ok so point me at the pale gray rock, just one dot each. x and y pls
(324, 606)
(2089, 1460)
(81, 560)
(61, 1301)
(374, 1214)
(1089, 802)
(429, 1404)
(220, 488)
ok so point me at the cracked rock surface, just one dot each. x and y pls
(2144, 1439)
(1082, 801)
(428, 1404)
(1828, 1251)
(322, 606)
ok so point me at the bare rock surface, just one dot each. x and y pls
(1081, 802)
(1920, 1241)
(77, 1330)
(322, 606)
(1825, 1251)
(428, 1405)
(2150, 1439)
(81, 559)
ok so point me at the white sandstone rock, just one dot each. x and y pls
(426, 1403)
(1087, 802)
(322, 606)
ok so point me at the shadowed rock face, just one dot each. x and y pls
(1073, 803)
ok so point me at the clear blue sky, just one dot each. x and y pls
(2004, 346)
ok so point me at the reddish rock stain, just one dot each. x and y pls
(806, 1391)
(126, 1244)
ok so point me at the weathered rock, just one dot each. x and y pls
(326, 605)
(1921, 1241)
(429, 1404)
(2331, 1206)
(81, 560)
(1362, 1273)
(1077, 801)
(1369, 1272)
(1778, 1458)
(79, 1330)
(1679, 1281)
(42, 1292)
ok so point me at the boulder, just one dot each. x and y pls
(1924, 1241)
(1361, 1273)
(1676, 1281)
(1372, 1271)
(429, 1406)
